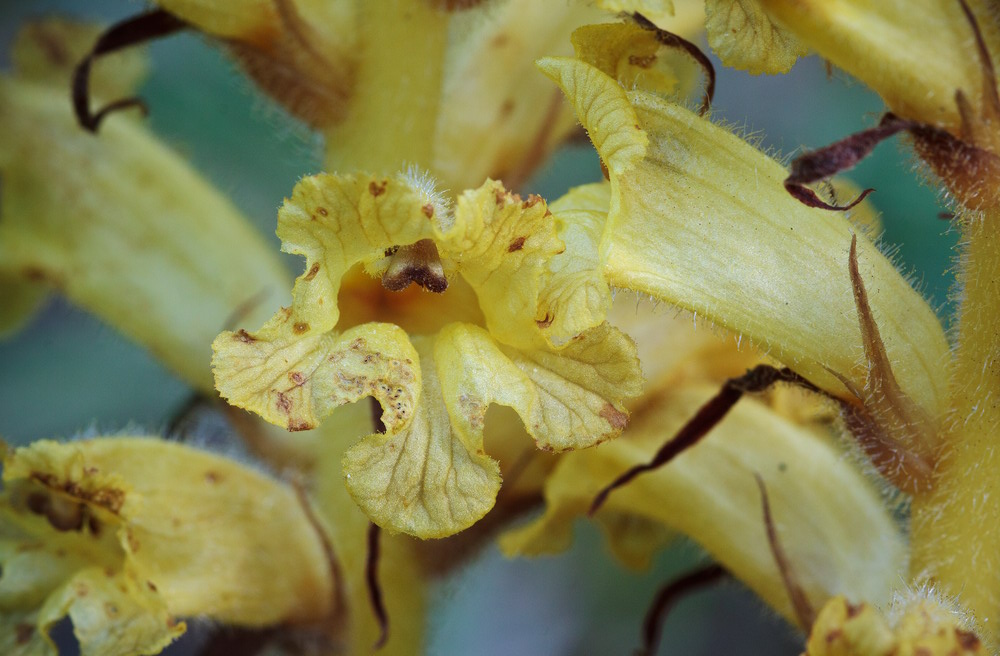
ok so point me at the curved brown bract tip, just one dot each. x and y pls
(130, 32)
(668, 596)
(896, 434)
(990, 93)
(757, 379)
(837, 157)
(671, 40)
(374, 587)
(804, 611)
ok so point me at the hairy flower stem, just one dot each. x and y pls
(393, 116)
(956, 526)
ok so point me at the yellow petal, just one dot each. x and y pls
(914, 54)
(612, 125)
(703, 221)
(208, 536)
(112, 615)
(568, 399)
(294, 381)
(831, 522)
(744, 36)
(502, 246)
(576, 295)
(104, 220)
(421, 477)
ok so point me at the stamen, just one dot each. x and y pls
(757, 379)
(839, 156)
(671, 40)
(804, 611)
(667, 597)
(417, 263)
(130, 32)
(374, 589)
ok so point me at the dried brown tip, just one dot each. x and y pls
(757, 379)
(804, 611)
(893, 430)
(130, 32)
(671, 40)
(374, 588)
(417, 263)
(990, 93)
(667, 598)
(837, 157)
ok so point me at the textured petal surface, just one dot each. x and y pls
(701, 220)
(185, 532)
(745, 37)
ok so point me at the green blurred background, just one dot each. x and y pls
(68, 373)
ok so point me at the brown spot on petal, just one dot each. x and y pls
(297, 377)
(834, 635)
(428, 210)
(516, 244)
(300, 327)
(313, 270)
(212, 477)
(296, 426)
(614, 416)
(322, 211)
(967, 639)
(109, 498)
(545, 322)
(23, 633)
(642, 61)
(853, 610)
(284, 403)
(377, 189)
(243, 336)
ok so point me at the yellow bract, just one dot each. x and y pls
(428, 475)
(832, 523)
(700, 219)
(744, 36)
(133, 250)
(916, 53)
(125, 534)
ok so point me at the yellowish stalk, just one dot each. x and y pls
(956, 526)
(392, 115)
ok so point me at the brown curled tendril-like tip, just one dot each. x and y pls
(757, 379)
(374, 587)
(667, 597)
(839, 156)
(989, 72)
(671, 40)
(130, 32)
(804, 611)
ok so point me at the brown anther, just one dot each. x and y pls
(671, 40)
(804, 611)
(130, 32)
(417, 263)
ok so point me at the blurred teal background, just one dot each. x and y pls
(67, 372)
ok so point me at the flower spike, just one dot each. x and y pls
(135, 30)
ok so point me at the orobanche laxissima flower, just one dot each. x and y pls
(440, 304)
